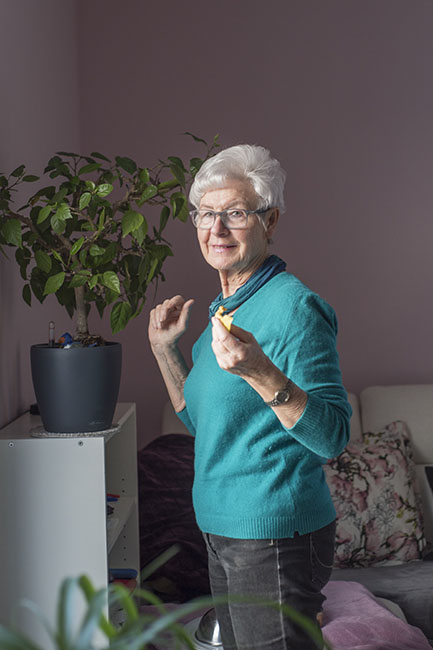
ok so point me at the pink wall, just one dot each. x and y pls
(341, 92)
(38, 115)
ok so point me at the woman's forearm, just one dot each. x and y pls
(174, 371)
(268, 382)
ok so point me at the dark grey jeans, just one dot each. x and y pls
(291, 571)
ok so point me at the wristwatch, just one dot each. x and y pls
(281, 396)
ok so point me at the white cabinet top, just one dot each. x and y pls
(22, 426)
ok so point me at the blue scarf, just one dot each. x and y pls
(270, 267)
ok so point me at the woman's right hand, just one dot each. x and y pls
(168, 321)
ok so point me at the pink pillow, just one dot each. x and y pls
(372, 484)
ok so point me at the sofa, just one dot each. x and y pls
(401, 410)
(381, 477)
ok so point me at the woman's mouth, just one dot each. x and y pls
(221, 248)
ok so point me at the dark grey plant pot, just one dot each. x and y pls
(76, 388)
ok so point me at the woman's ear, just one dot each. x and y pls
(271, 222)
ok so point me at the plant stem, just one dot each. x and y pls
(82, 329)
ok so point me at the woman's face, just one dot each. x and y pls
(235, 252)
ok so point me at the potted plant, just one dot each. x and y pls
(84, 237)
(140, 629)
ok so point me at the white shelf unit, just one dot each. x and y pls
(53, 514)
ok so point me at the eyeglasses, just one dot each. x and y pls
(234, 219)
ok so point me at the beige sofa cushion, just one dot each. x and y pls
(413, 404)
(355, 420)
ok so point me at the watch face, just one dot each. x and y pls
(282, 396)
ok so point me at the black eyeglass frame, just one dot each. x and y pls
(223, 215)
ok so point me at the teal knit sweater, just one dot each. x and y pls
(254, 478)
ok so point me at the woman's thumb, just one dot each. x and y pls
(186, 309)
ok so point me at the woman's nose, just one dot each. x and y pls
(218, 227)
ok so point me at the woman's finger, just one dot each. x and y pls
(235, 334)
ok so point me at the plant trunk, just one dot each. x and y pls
(81, 330)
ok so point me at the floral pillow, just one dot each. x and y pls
(378, 512)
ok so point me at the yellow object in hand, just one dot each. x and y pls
(225, 319)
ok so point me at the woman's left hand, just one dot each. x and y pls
(237, 351)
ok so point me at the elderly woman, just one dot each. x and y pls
(265, 402)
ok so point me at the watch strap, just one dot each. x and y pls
(282, 396)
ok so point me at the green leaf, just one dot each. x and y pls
(141, 232)
(152, 269)
(58, 223)
(143, 175)
(65, 211)
(127, 164)
(37, 283)
(109, 253)
(101, 219)
(96, 250)
(57, 256)
(180, 206)
(79, 279)
(175, 160)
(168, 185)
(178, 174)
(12, 233)
(59, 196)
(83, 256)
(30, 178)
(142, 270)
(43, 261)
(90, 185)
(120, 315)
(44, 213)
(65, 609)
(76, 246)
(84, 200)
(23, 256)
(131, 221)
(194, 165)
(148, 193)
(67, 153)
(96, 154)
(54, 283)
(163, 219)
(104, 189)
(87, 169)
(195, 137)
(18, 171)
(110, 280)
(58, 220)
(94, 281)
(27, 294)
